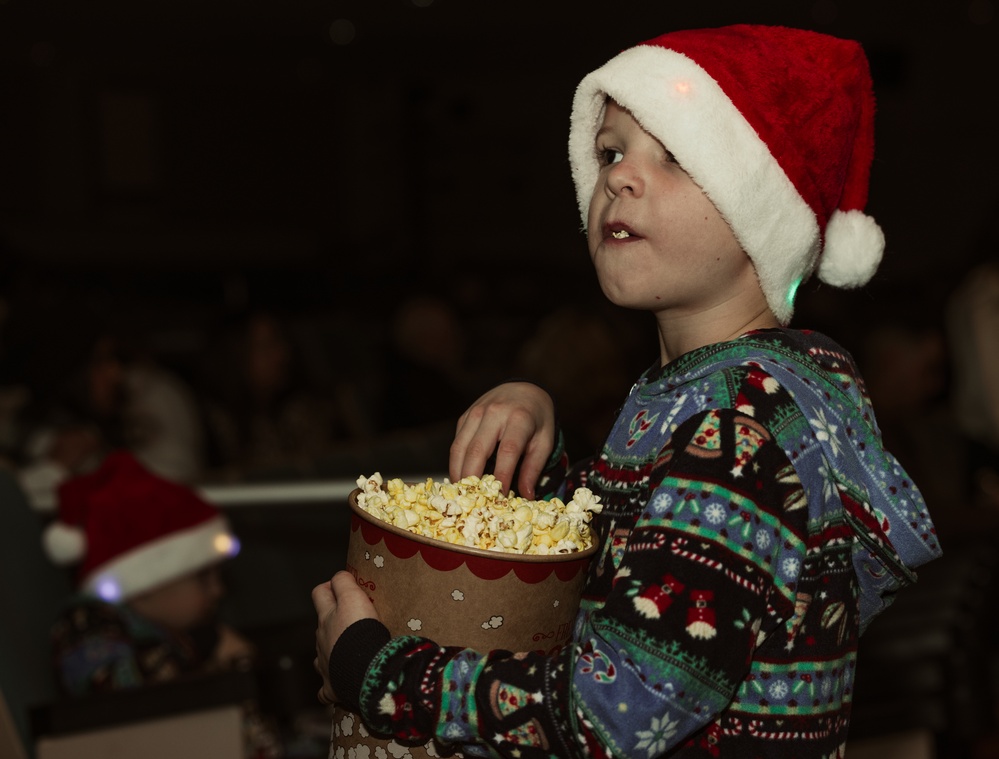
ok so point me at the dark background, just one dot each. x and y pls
(169, 164)
(182, 159)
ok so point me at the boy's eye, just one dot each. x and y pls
(609, 156)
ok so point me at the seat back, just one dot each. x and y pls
(208, 734)
(32, 590)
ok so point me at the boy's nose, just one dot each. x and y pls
(624, 178)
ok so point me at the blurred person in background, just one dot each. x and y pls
(427, 374)
(95, 392)
(933, 375)
(575, 354)
(421, 386)
(907, 374)
(973, 333)
(265, 417)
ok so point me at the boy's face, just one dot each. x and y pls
(657, 242)
(184, 603)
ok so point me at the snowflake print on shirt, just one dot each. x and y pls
(656, 739)
(714, 513)
(825, 430)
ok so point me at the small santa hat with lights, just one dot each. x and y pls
(131, 531)
(776, 126)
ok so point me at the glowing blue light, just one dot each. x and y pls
(109, 589)
(226, 544)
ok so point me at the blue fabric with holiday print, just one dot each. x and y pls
(746, 536)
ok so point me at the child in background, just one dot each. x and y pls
(753, 523)
(149, 551)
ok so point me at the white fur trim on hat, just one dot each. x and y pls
(678, 103)
(64, 544)
(854, 247)
(160, 561)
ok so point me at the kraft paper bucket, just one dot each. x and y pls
(456, 596)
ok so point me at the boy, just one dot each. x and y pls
(149, 551)
(747, 499)
(149, 580)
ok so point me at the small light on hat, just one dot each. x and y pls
(108, 589)
(682, 87)
(793, 291)
(226, 544)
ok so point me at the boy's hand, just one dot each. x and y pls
(513, 419)
(339, 603)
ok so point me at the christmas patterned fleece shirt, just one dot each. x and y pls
(753, 524)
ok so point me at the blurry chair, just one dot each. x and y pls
(200, 718)
(31, 591)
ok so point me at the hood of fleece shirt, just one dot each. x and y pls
(893, 532)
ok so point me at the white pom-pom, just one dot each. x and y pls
(853, 249)
(64, 544)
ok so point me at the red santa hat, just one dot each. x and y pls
(131, 530)
(775, 125)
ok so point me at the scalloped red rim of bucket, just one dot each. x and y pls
(444, 557)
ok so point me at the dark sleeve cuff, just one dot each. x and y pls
(350, 657)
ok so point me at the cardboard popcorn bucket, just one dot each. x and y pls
(456, 596)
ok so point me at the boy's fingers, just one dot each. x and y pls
(531, 468)
(475, 442)
(512, 445)
(344, 587)
(323, 599)
(463, 434)
(352, 601)
(513, 421)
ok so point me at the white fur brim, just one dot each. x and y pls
(677, 102)
(161, 561)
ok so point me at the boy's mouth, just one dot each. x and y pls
(618, 231)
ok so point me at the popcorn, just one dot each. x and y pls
(475, 513)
